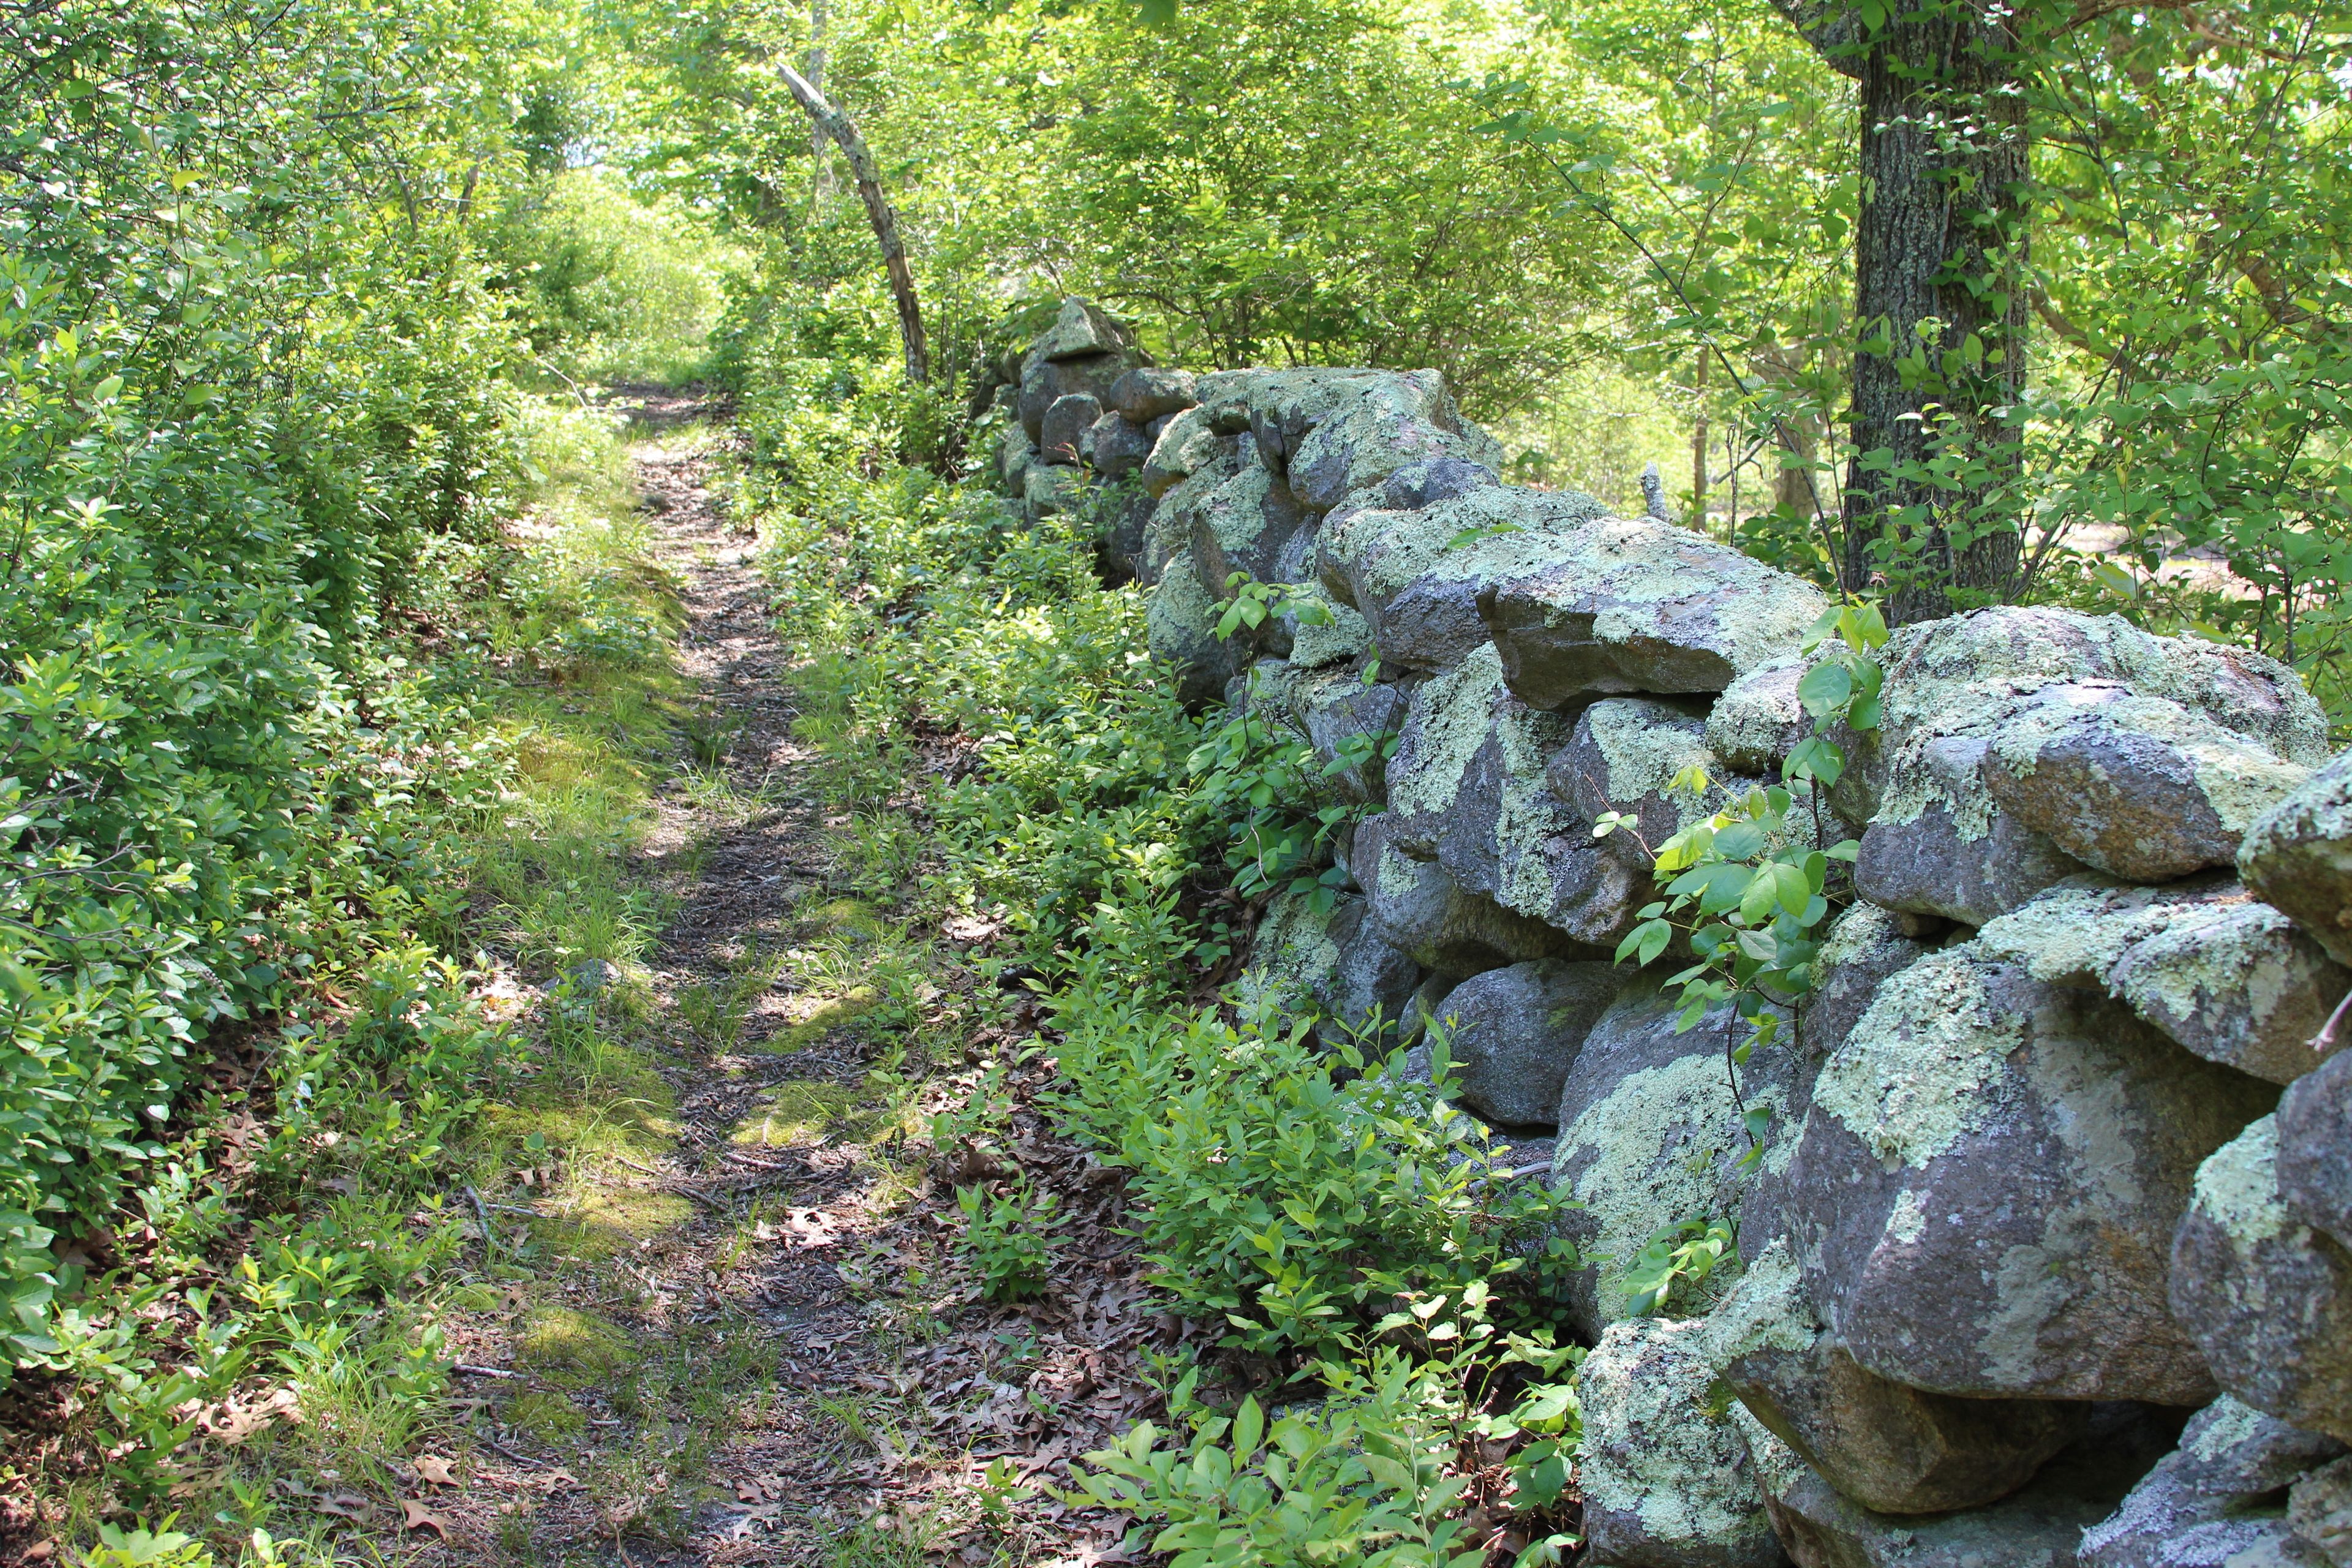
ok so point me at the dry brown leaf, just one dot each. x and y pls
(415, 1515)
(433, 1470)
(344, 1505)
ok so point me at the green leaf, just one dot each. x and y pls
(1249, 1425)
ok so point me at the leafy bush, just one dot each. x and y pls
(1008, 1239)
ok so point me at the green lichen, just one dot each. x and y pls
(2239, 780)
(2077, 932)
(1657, 1446)
(1339, 640)
(1450, 717)
(1911, 1079)
(1907, 1220)
(1391, 549)
(1293, 955)
(1767, 1310)
(2224, 1426)
(1179, 620)
(1644, 745)
(2237, 1188)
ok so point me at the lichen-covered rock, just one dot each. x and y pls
(1240, 525)
(1985, 1189)
(1349, 723)
(1863, 948)
(1066, 424)
(1624, 755)
(2298, 857)
(2136, 785)
(2319, 1513)
(1180, 624)
(1419, 908)
(1651, 1134)
(1044, 383)
(2218, 1499)
(2267, 1297)
(1339, 636)
(1185, 446)
(1515, 1031)
(1115, 446)
(1014, 453)
(1330, 960)
(1083, 329)
(1890, 1448)
(2039, 1527)
(1758, 721)
(1433, 479)
(1334, 432)
(1953, 685)
(1048, 490)
(1127, 518)
(1664, 1471)
(2314, 1148)
(1149, 393)
(1636, 605)
(1416, 570)
(2219, 972)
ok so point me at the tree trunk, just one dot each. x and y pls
(821, 182)
(835, 124)
(1940, 297)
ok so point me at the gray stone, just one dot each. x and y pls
(1416, 907)
(2298, 857)
(1127, 516)
(1664, 1471)
(1624, 755)
(1240, 525)
(1330, 962)
(2319, 1512)
(1083, 329)
(1891, 1449)
(2314, 1148)
(2039, 1527)
(1115, 447)
(1415, 573)
(2267, 1297)
(1065, 425)
(1334, 432)
(1048, 490)
(2222, 973)
(1931, 863)
(1422, 484)
(1635, 604)
(2218, 1499)
(1984, 1191)
(1862, 950)
(1338, 710)
(1651, 1134)
(2136, 785)
(1014, 453)
(1185, 446)
(1339, 636)
(1044, 383)
(1180, 625)
(1515, 1031)
(1757, 721)
(1148, 392)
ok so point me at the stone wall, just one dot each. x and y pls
(2033, 1199)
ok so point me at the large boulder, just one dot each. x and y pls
(2298, 857)
(1418, 907)
(1115, 446)
(1984, 1192)
(1148, 392)
(2039, 1527)
(2314, 1148)
(1242, 525)
(2220, 1498)
(1170, 532)
(1636, 605)
(1416, 558)
(2267, 1297)
(1331, 433)
(2218, 971)
(1651, 1134)
(1083, 329)
(1664, 1471)
(1180, 624)
(2139, 786)
(1514, 1033)
(1892, 1448)
(1862, 950)
(1961, 704)
(1066, 427)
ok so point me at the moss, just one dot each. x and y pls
(1910, 1081)
(2237, 1188)
(609, 1220)
(799, 1113)
(573, 1348)
(549, 1418)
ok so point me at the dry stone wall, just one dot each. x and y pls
(2041, 1265)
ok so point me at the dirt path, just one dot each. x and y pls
(759, 1346)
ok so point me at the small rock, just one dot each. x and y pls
(1149, 393)
(2314, 1148)
(2268, 1297)
(1115, 447)
(1666, 1473)
(1184, 446)
(2319, 1512)
(1515, 1031)
(1066, 424)
(2215, 1498)
(1049, 489)
(1044, 383)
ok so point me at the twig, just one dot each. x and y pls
(472, 1371)
(747, 1160)
(2324, 1041)
(498, 1447)
(632, 1164)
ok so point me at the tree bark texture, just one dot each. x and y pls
(879, 212)
(1940, 294)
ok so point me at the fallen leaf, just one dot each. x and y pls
(433, 1470)
(345, 1505)
(415, 1515)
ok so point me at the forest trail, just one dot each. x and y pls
(756, 1345)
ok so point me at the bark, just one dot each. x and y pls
(861, 169)
(1939, 255)
(821, 183)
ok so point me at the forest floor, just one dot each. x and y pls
(742, 1333)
